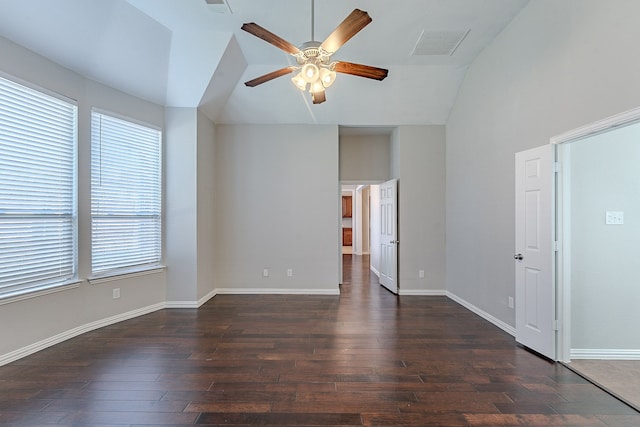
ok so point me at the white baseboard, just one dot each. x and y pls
(376, 272)
(499, 323)
(56, 339)
(191, 304)
(207, 297)
(604, 354)
(276, 291)
(423, 292)
(182, 304)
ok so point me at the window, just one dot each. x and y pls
(125, 195)
(38, 225)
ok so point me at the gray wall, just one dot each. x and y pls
(418, 162)
(205, 207)
(559, 65)
(277, 206)
(189, 238)
(181, 205)
(605, 177)
(364, 158)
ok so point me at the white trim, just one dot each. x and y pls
(206, 298)
(56, 339)
(599, 126)
(423, 292)
(276, 291)
(38, 88)
(40, 292)
(126, 118)
(374, 270)
(191, 304)
(96, 280)
(182, 304)
(563, 256)
(563, 279)
(604, 354)
(497, 322)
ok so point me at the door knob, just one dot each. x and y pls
(518, 257)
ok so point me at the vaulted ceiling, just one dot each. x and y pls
(188, 53)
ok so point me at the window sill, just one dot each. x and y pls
(28, 294)
(125, 274)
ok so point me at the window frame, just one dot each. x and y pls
(135, 270)
(71, 280)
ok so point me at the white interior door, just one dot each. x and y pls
(389, 235)
(535, 287)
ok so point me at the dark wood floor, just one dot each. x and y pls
(366, 357)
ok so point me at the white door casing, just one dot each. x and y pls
(534, 252)
(389, 235)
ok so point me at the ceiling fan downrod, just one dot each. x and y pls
(313, 8)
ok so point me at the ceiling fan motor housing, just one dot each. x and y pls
(312, 52)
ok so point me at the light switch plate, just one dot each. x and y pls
(614, 218)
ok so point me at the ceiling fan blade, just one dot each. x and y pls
(269, 37)
(270, 76)
(361, 70)
(348, 28)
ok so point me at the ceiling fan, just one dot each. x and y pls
(315, 68)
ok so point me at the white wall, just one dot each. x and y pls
(418, 161)
(54, 317)
(559, 65)
(276, 206)
(605, 177)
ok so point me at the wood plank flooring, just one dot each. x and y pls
(365, 357)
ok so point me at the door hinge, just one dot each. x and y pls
(556, 325)
(556, 167)
(556, 246)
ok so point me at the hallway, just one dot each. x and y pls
(366, 357)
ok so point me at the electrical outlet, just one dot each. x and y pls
(289, 272)
(116, 293)
(510, 302)
(265, 272)
(421, 274)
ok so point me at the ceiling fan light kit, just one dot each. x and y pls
(315, 70)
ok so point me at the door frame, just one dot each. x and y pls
(563, 218)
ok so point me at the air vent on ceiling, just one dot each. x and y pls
(219, 6)
(439, 42)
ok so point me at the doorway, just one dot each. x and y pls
(598, 211)
(365, 162)
(356, 219)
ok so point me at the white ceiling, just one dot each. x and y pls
(184, 53)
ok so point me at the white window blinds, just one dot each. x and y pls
(37, 190)
(126, 196)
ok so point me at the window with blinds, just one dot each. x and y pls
(38, 222)
(126, 195)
